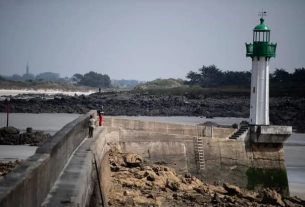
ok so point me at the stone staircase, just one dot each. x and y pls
(244, 127)
(199, 152)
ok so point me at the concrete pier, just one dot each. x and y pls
(63, 173)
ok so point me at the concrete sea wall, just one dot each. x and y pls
(29, 184)
(240, 161)
(52, 177)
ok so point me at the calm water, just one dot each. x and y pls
(50, 123)
(45, 121)
(294, 147)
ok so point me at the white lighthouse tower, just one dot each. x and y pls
(261, 50)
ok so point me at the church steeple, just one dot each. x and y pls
(27, 72)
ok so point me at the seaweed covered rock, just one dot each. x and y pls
(6, 167)
(12, 136)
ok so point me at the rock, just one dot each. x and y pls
(216, 199)
(291, 204)
(150, 196)
(127, 184)
(140, 175)
(217, 189)
(151, 177)
(296, 200)
(232, 189)
(272, 197)
(9, 130)
(175, 196)
(146, 168)
(114, 168)
(6, 167)
(186, 180)
(189, 196)
(202, 189)
(133, 103)
(250, 196)
(29, 130)
(188, 175)
(133, 160)
(173, 185)
(11, 136)
(161, 186)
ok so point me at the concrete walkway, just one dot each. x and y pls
(75, 179)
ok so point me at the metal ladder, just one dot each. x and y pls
(199, 152)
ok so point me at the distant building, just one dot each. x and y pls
(27, 72)
(28, 75)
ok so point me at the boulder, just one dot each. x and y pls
(151, 176)
(133, 160)
(232, 189)
(9, 130)
(173, 185)
(272, 197)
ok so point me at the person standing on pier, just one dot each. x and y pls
(91, 126)
(100, 117)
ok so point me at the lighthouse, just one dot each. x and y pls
(260, 51)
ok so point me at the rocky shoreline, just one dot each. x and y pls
(283, 110)
(12, 136)
(137, 182)
(7, 167)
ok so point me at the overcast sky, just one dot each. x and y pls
(143, 39)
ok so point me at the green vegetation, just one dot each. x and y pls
(48, 76)
(209, 80)
(92, 79)
(211, 76)
(161, 84)
(49, 80)
(33, 84)
(283, 83)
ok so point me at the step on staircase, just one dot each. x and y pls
(242, 129)
(199, 152)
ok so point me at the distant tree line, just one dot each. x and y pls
(211, 76)
(92, 79)
(282, 76)
(46, 76)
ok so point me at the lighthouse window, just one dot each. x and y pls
(253, 89)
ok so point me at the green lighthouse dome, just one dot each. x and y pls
(262, 26)
(261, 46)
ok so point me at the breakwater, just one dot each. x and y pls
(225, 160)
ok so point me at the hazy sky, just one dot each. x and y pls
(143, 39)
